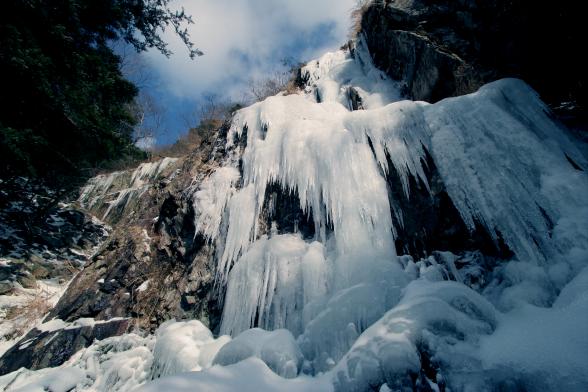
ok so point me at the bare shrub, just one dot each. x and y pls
(22, 318)
(283, 80)
(357, 13)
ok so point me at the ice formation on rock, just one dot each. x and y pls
(505, 164)
(342, 311)
(129, 185)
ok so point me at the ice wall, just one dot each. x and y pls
(500, 156)
(507, 166)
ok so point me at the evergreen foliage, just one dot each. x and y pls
(65, 105)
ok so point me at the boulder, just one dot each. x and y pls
(50, 348)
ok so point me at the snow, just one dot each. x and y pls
(277, 349)
(122, 363)
(183, 346)
(547, 347)
(445, 316)
(113, 364)
(57, 324)
(28, 307)
(52, 325)
(143, 286)
(250, 375)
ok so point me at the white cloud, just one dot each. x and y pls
(246, 38)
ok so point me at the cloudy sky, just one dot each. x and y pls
(242, 40)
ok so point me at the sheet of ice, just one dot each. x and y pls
(211, 199)
(503, 160)
(118, 188)
(277, 349)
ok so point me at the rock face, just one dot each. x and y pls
(41, 349)
(153, 268)
(429, 221)
(40, 238)
(442, 48)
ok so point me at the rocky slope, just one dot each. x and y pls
(152, 267)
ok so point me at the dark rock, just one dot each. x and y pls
(281, 208)
(430, 220)
(443, 48)
(355, 101)
(154, 240)
(27, 280)
(38, 349)
(6, 287)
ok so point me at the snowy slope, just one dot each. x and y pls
(342, 311)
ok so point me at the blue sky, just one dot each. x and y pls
(242, 40)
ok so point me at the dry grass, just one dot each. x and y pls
(22, 318)
(357, 13)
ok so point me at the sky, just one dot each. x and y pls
(242, 40)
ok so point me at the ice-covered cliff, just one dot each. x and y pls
(358, 241)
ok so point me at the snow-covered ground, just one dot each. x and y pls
(342, 311)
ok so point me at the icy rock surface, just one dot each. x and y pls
(507, 167)
(108, 192)
(277, 349)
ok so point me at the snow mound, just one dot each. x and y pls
(113, 364)
(250, 375)
(442, 318)
(184, 346)
(277, 349)
(124, 362)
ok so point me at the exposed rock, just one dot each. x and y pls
(41, 238)
(153, 268)
(443, 48)
(428, 221)
(40, 349)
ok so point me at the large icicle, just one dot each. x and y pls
(272, 282)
